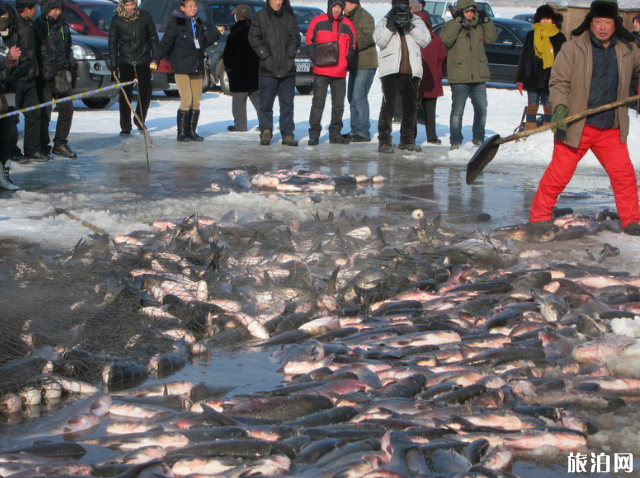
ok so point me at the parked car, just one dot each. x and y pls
(218, 13)
(92, 53)
(442, 9)
(525, 17)
(304, 15)
(504, 54)
(90, 17)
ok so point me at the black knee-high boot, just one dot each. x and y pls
(183, 125)
(193, 124)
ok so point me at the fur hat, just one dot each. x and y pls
(604, 9)
(545, 11)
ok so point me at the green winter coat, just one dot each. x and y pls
(466, 59)
(367, 55)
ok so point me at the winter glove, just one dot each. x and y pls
(483, 16)
(520, 86)
(559, 114)
(391, 24)
(408, 26)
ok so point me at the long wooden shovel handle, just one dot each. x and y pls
(568, 119)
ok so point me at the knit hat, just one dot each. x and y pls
(400, 2)
(356, 2)
(545, 11)
(242, 11)
(604, 9)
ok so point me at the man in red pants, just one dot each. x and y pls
(594, 68)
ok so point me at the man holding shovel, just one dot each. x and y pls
(594, 68)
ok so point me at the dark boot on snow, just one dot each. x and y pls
(193, 124)
(183, 125)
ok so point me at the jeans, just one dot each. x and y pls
(285, 89)
(459, 94)
(128, 73)
(338, 90)
(535, 98)
(405, 87)
(358, 95)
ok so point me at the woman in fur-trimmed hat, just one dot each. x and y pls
(593, 69)
(541, 46)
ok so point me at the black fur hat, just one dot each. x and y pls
(545, 11)
(621, 32)
(604, 9)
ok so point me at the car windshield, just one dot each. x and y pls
(520, 30)
(222, 16)
(100, 15)
(304, 16)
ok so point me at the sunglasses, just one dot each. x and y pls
(470, 10)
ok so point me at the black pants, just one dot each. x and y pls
(6, 124)
(63, 125)
(405, 87)
(27, 95)
(321, 84)
(429, 109)
(128, 73)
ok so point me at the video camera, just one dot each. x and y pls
(402, 15)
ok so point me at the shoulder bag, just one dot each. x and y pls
(328, 53)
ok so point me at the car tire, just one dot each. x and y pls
(172, 93)
(304, 89)
(99, 103)
(223, 78)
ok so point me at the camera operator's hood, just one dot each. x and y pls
(463, 4)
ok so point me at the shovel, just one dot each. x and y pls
(487, 151)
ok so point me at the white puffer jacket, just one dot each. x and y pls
(390, 47)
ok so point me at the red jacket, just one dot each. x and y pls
(434, 65)
(323, 29)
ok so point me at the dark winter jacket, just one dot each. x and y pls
(132, 42)
(366, 57)
(240, 61)
(28, 37)
(178, 45)
(530, 72)
(11, 75)
(275, 37)
(434, 65)
(323, 29)
(53, 42)
(571, 79)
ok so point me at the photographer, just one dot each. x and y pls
(468, 68)
(400, 35)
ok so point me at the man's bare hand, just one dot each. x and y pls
(14, 53)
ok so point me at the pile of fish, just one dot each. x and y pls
(407, 350)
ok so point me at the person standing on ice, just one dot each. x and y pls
(184, 43)
(594, 68)
(541, 47)
(465, 37)
(400, 35)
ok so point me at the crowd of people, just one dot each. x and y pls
(598, 66)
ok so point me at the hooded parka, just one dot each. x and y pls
(466, 59)
(53, 40)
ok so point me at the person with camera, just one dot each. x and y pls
(58, 74)
(467, 66)
(184, 43)
(331, 41)
(132, 40)
(400, 35)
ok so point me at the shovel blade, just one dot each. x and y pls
(483, 156)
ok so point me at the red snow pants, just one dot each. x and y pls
(614, 158)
